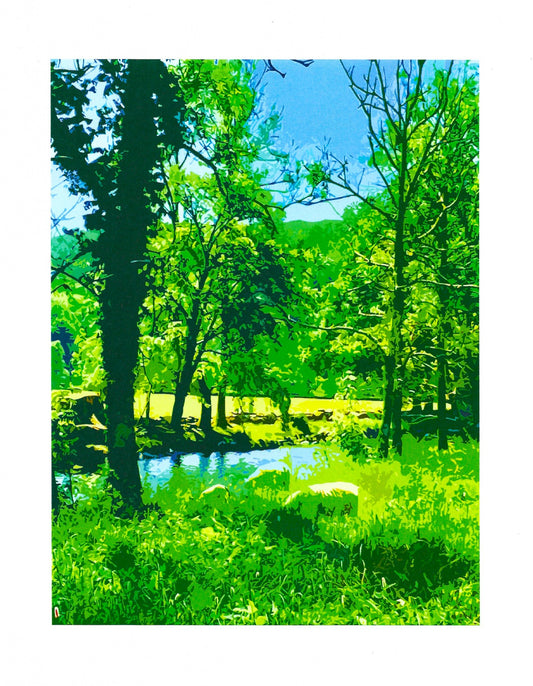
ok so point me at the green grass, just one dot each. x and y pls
(410, 556)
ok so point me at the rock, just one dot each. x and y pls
(339, 497)
(273, 479)
(216, 496)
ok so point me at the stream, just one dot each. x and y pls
(157, 470)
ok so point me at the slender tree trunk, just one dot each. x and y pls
(147, 409)
(206, 415)
(393, 383)
(441, 399)
(397, 443)
(222, 422)
(442, 365)
(183, 382)
(284, 408)
(385, 429)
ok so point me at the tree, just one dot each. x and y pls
(213, 266)
(122, 184)
(443, 246)
(405, 133)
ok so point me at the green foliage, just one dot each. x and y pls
(349, 434)
(60, 375)
(63, 442)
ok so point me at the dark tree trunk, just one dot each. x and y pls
(222, 422)
(192, 356)
(397, 419)
(122, 248)
(206, 412)
(147, 412)
(441, 400)
(392, 408)
(392, 405)
(183, 384)
(386, 420)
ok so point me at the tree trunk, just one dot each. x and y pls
(443, 329)
(441, 400)
(123, 246)
(397, 443)
(394, 389)
(183, 384)
(222, 422)
(206, 412)
(385, 429)
(284, 408)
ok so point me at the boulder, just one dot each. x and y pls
(272, 479)
(216, 496)
(338, 497)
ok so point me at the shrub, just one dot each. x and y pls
(349, 434)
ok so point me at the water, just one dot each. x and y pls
(156, 472)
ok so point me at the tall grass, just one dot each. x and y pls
(409, 557)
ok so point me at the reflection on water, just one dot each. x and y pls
(157, 471)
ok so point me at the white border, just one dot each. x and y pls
(499, 37)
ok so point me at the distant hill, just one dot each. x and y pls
(323, 234)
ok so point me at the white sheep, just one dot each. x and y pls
(216, 496)
(339, 497)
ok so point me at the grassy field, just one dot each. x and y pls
(410, 556)
(161, 405)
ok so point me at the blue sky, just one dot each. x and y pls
(317, 106)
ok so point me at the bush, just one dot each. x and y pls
(349, 434)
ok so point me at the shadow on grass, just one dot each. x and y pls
(415, 569)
